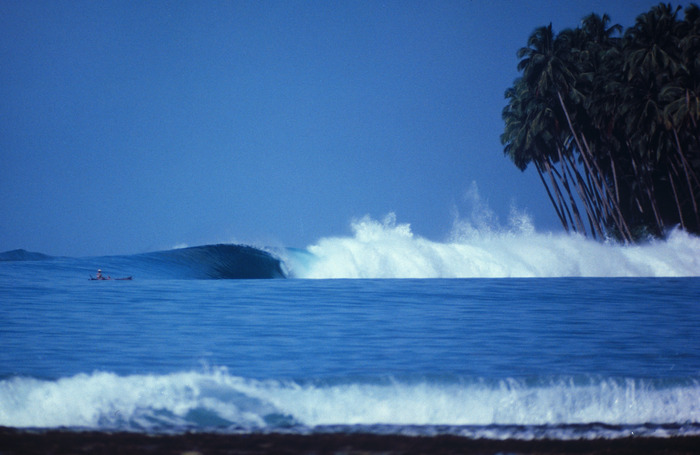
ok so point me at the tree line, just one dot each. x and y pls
(609, 118)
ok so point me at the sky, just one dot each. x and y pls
(128, 127)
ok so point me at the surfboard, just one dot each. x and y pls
(110, 279)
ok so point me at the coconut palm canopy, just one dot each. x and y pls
(609, 119)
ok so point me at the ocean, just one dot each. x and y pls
(501, 336)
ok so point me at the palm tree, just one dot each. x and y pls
(657, 75)
(522, 145)
(682, 97)
(613, 120)
(549, 69)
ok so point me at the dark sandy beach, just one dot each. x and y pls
(25, 442)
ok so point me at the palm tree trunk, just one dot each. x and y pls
(587, 157)
(586, 154)
(641, 176)
(551, 198)
(688, 170)
(614, 173)
(595, 198)
(580, 227)
(675, 194)
(616, 211)
(565, 208)
(588, 199)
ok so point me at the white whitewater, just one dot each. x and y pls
(387, 249)
(104, 400)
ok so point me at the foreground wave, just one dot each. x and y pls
(556, 408)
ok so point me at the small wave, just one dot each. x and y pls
(22, 255)
(218, 400)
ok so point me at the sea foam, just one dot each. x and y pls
(388, 249)
(217, 399)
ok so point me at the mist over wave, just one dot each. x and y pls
(481, 249)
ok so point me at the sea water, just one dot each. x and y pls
(533, 353)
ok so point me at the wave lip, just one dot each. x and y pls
(222, 261)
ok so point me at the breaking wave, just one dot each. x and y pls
(216, 400)
(221, 261)
(215, 262)
(388, 249)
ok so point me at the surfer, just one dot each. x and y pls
(100, 277)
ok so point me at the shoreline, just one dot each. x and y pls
(28, 442)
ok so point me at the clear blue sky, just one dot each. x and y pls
(135, 126)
